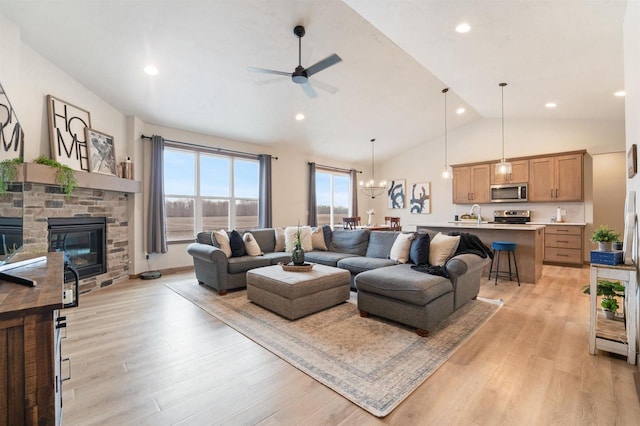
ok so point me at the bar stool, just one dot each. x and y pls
(498, 247)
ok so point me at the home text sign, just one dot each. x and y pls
(11, 134)
(66, 133)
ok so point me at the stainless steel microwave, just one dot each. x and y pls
(509, 193)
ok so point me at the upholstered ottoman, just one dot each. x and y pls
(297, 294)
(402, 294)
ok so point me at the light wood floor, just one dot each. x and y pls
(141, 354)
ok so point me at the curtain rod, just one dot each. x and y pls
(209, 147)
(337, 169)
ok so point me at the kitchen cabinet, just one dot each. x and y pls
(471, 184)
(563, 244)
(556, 178)
(519, 173)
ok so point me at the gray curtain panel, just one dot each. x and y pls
(312, 218)
(156, 235)
(265, 217)
(354, 192)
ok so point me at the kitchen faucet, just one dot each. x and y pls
(479, 212)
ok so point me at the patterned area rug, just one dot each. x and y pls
(372, 362)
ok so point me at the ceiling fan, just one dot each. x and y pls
(301, 74)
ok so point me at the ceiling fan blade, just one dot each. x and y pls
(324, 86)
(266, 71)
(309, 90)
(269, 81)
(325, 63)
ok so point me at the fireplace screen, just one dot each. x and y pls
(83, 240)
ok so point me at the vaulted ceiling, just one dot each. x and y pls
(397, 56)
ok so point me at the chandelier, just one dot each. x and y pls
(446, 172)
(503, 167)
(370, 189)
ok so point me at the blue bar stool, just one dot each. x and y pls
(498, 247)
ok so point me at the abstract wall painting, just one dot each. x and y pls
(420, 198)
(102, 155)
(66, 133)
(396, 194)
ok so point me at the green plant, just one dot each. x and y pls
(65, 177)
(604, 234)
(609, 304)
(609, 290)
(8, 173)
(298, 241)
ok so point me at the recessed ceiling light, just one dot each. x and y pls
(463, 27)
(460, 110)
(551, 105)
(151, 70)
(620, 93)
(299, 116)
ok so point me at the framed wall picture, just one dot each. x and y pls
(102, 154)
(632, 161)
(420, 198)
(66, 133)
(11, 134)
(396, 194)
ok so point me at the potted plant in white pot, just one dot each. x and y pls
(605, 237)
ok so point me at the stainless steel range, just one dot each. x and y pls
(512, 216)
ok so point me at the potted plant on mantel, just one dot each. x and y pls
(8, 173)
(609, 290)
(605, 237)
(65, 177)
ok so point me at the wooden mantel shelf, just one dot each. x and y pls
(38, 173)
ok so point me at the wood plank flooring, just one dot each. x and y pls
(143, 355)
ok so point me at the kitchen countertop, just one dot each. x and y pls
(559, 223)
(484, 225)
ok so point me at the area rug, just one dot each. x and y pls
(372, 362)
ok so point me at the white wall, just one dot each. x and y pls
(609, 192)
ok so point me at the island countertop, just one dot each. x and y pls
(482, 225)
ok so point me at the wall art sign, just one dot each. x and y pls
(102, 154)
(420, 198)
(632, 161)
(396, 194)
(66, 133)
(11, 133)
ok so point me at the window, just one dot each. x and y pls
(205, 191)
(333, 197)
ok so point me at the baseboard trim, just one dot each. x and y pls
(166, 271)
(636, 380)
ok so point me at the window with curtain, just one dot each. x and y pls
(205, 191)
(333, 197)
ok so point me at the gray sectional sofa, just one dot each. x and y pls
(385, 287)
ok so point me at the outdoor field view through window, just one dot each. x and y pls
(225, 196)
(332, 197)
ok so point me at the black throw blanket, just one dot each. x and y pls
(469, 244)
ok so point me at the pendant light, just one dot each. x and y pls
(446, 172)
(370, 189)
(503, 167)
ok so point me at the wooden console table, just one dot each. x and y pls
(614, 335)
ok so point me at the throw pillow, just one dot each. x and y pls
(251, 245)
(237, 245)
(280, 245)
(317, 239)
(400, 248)
(442, 248)
(419, 253)
(305, 237)
(223, 241)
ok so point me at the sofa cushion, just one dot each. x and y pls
(317, 239)
(278, 257)
(357, 264)
(419, 253)
(290, 235)
(380, 243)
(222, 238)
(265, 238)
(242, 264)
(326, 229)
(206, 237)
(403, 283)
(237, 244)
(442, 247)
(401, 247)
(329, 258)
(251, 245)
(350, 241)
(280, 244)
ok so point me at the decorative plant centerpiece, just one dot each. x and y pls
(605, 237)
(372, 217)
(297, 255)
(8, 173)
(609, 290)
(64, 174)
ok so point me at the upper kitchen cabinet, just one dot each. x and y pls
(519, 173)
(471, 184)
(556, 178)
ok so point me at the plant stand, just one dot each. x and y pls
(616, 335)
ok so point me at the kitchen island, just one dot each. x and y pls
(529, 240)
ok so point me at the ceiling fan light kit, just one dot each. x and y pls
(301, 74)
(369, 188)
(504, 167)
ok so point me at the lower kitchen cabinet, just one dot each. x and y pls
(564, 244)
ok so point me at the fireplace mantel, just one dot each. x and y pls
(38, 173)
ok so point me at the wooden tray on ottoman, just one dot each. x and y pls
(290, 267)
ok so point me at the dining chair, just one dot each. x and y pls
(350, 222)
(393, 222)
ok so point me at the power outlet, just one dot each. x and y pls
(67, 296)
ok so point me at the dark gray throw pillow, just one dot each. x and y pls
(419, 253)
(237, 245)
